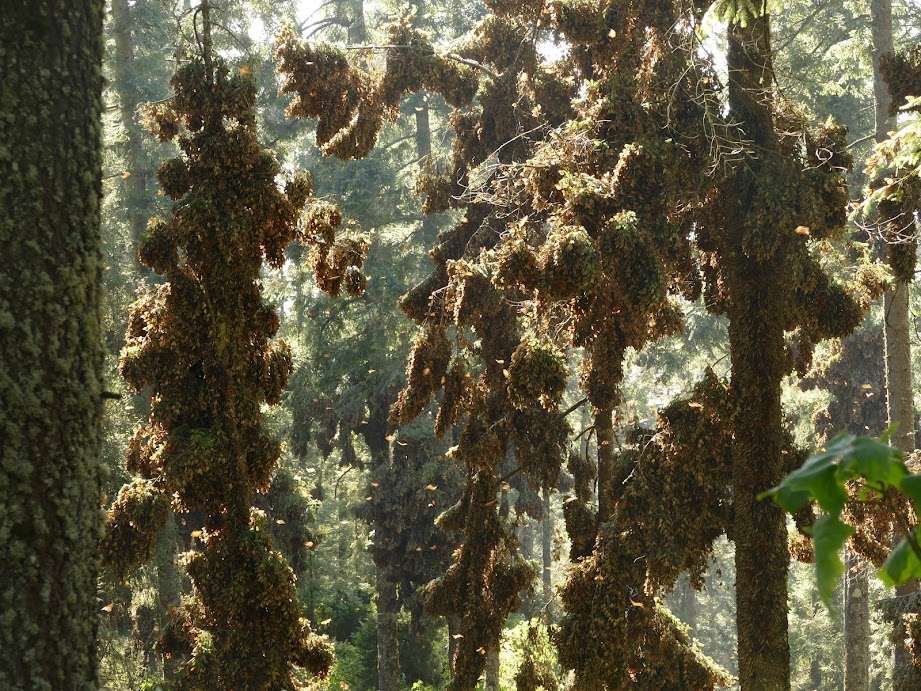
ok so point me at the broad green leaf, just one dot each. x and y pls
(788, 499)
(911, 486)
(828, 536)
(902, 565)
(816, 480)
(874, 461)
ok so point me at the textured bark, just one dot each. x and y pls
(815, 674)
(758, 367)
(50, 342)
(896, 326)
(856, 624)
(529, 604)
(759, 532)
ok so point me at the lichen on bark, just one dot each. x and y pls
(50, 342)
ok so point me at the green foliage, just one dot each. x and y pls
(877, 470)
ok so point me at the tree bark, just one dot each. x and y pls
(51, 350)
(756, 332)
(357, 30)
(492, 669)
(374, 432)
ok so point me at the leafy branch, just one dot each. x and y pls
(879, 471)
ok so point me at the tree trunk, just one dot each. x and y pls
(604, 431)
(374, 432)
(546, 530)
(357, 29)
(856, 625)
(756, 331)
(388, 640)
(423, 151)
(815, 675)
(686, 603)
(51, 351)
(169, 583)
(454, 626)
(492, 669)
(526, 546)
(134, 185)
(896, 327)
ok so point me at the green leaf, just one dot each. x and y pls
(828, 536)
(816, 479)
(824, 475)
(911, 486)
(902, 565)
(875, 461)
(788, 499)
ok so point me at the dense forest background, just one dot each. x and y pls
(534, 437)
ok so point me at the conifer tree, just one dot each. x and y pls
(599, 252)
(752, 218)
(51, 355)
(783, 194)
(487, 573)
(895, 196)
(201, 342)
(583, 230)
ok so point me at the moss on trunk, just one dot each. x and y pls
(50, 342)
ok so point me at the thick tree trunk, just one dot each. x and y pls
(896, 325)
(492, 669)
(759, 532)
(50, 342)
(815, 675)
(169, 583)
(856, 625)
(756, 330)
(529, 603)
(898, 367)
